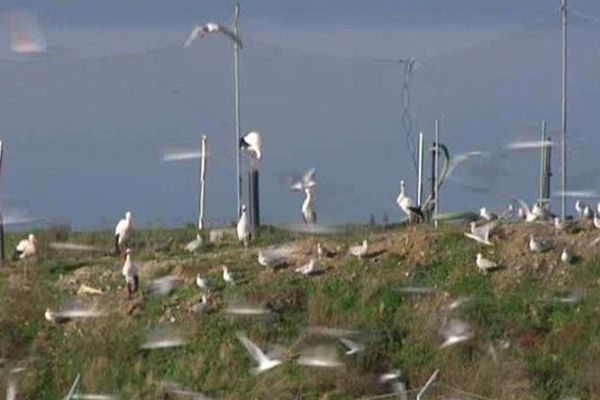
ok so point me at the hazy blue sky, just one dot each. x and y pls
(86, 128)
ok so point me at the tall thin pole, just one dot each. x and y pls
(542, 166)
(236, 59)
(2, 252)
(563, 209)
(420, 169)
(202, 199)
(436, 204)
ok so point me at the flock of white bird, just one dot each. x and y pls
(453, 330)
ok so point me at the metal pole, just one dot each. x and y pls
(2, 249)
(563, 208)
(236, 59)
(437, 164)
(548, 171)
(542, 164)
(420, 170)
(202, 199)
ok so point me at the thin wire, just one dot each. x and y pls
(477, 396)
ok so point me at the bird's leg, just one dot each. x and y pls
(136, 283)
(117, 248)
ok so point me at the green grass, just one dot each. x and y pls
(553, 347)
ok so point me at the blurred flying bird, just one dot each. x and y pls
(454, 332)
(264, 362)
(208, 28)
(323, 356)
(352, 346)
(163, 339)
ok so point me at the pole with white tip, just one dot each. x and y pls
(202, 199)
(236, 78)
(432, 378)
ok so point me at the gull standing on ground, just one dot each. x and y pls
(406, 204)
(359, 250)
(539, 245)
(307, 269)
(252, 142)
(264, 361)
(562, 225)
(524, 211)
(565, 257)
(227, 276)
(26, 248)
(309, 214)
(201, 282)
(123, 232)
(211, 27)
(487, 215)
(484, 264)
(324, 252)
(131, 273)
(243, 227)
(596, 222)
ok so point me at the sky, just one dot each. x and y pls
(85, 126)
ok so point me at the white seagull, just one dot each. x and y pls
(201, 282)
(539, 245)
(307, 269)
(579, 205)
(123, 231)
(484, 264)
(243, 227)
(265, 362)
(525, 212)
(252, 142)
(360, 250)
(565, 257)
(26, 248)
(487, 215)
(211, 27)
(309, 214)
(227, 276)
(131, 273)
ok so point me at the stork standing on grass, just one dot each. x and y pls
(243, 227)
(123, 232)
(309, 214)
(406, 204)
(131, 273)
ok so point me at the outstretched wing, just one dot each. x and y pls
(255, 352)
(197, 32)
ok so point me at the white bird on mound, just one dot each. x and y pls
(274, 257)
(252, 142)
(194, 245)
(243, 227)
(201, 282)
(309, 214)
(26, 248)
(211, 27)
(323, 252)
(265, 362)
(561, 225)
(587, 212)
(565, 257)
(484, 264)
(131, 273)
(123, 232)
(539, 245)
(579, 205)
(406, 203)
(360, 250)
(487, 215)
(525, 212)
(596, 222)
(307, 269)
(227, 276)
